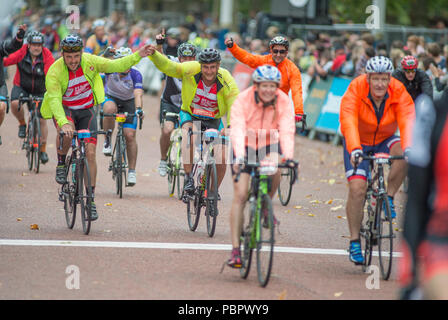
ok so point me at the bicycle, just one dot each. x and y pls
(378, 228)
(6, 100)
(286, 177)
(77, 189)
(258, 232)
(32, 142)
(118, 163)
(175, 171)
(206, 190)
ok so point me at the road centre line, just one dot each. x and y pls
(161, 245)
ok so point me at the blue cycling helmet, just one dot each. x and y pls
(267, 73)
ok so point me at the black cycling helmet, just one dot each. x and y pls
(71, 43)
(35, 37)
(280, 41)
(209, 55)
(186, 50)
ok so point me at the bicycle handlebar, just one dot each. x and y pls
(289, 164)
(373, 158)
(128, 115)
(30, 98)
(75, 134)
(303, 121)
(5, 99)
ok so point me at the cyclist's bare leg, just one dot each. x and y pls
(164, 141)
(355, 206)
(2, 112)
(220, 151)
(20, 115)
(131, 146)
(66, 142)
(91, 160)
(187, 153)
(109, 122)
(43, 131)
(398, 171)
(240, 189)
(274, 157)
(436, 288)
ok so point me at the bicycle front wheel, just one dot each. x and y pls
(285, 186)
(171, 171)
(84, 194)
(36, 144)
(29, 145)
(118, 168)
(265, 240)
(194, 211)
(386, 236)
(246, 239)
(211, 198)
(69, 193)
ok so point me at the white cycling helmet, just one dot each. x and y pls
(379, 64)
(98, 23)
(122, 52)
(267, 73)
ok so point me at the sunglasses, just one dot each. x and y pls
(275, 51)
(410, 71)
(71, 49)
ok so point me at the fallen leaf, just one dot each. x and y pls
(21, 185)
(145, 175)
(24, 174)
(338, 294)
(19, 219)
(314, 201)
(336, 208)
(339, 217)
(297, 207)
(107, 231)
(311, 215)
(108, 204)
(308, 196)
(34, 227)
(329, 201)
(331, 182)
(287, 211)
(282, 295)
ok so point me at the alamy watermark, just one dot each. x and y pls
(73, 20)
(73, 279)
(373, 280)
(374, 20)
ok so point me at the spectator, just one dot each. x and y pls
(322, 66)
(340, 58)
(434, 51)
(369, 52)
(414, 45)
(396, 55)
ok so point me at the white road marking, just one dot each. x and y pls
(161, 245)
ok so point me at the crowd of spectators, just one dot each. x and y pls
(316, 53)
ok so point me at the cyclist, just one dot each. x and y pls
(6, 48)
(74, 87)
(171, 102)
(415, 80)
(124, 93)
(425, 245)
(98, 42)
(263, 127)
(373, 107)
(291, 76)
(208, 92)
(33, 61)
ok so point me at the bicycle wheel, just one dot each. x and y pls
(180, 174)
(171, 171)
(36, 144)
(118, 168)
(211, 198)
(385, 236)
(265, 240)
(124, 163)
(69, 192)
(194, 211)
(84, 193)
(246, 239)
(366, 234)
(285, 186)
(29, 145)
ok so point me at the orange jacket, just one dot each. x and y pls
(359, 124)
(291, 77)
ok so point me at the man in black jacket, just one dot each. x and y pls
(415, 80)
(6, 48)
